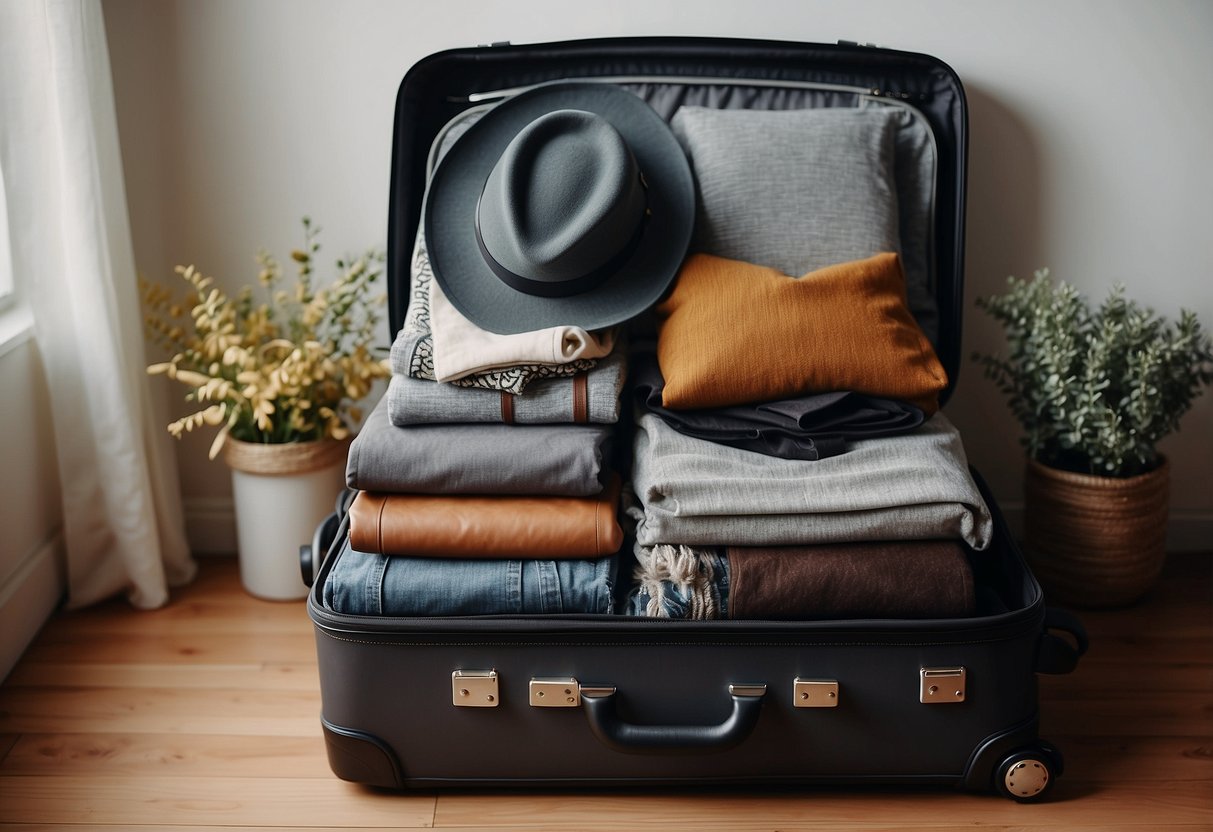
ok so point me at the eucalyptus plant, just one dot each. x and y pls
(1095, 390)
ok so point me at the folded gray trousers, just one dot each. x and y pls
(561, 460)
(417, 401)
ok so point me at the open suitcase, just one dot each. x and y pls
(582, 700)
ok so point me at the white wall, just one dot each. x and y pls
(32, 572)
(1090, 147)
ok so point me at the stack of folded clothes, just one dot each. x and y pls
(724, 531)
(789, 460)
(882, 530)
(483, 473)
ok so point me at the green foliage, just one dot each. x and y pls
(1094, 390)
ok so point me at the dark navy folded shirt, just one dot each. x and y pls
(809, 427)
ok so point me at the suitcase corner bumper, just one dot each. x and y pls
(361, 757)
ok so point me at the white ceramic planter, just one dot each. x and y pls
(277, 511)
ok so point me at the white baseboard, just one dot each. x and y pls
(28, 598)
(1188, 530)
(210, 525)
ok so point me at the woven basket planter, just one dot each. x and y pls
(1095, 541)
(281, 460)
(281, 493)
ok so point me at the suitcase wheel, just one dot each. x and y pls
(307, 564)
(1026, 776)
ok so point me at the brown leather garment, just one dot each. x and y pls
(904, 579)
(581, 401)
(491, 526)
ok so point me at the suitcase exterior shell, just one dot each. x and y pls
(390, 718)
(389, 714)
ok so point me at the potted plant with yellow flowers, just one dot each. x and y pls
(1094, 390)
(279, 378)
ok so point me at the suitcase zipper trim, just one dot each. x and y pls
(688, 80)
(997, 627)
(887, 97)
(1028, 619)
(395, 640)
(484, 101)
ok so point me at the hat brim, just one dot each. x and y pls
(450, 210)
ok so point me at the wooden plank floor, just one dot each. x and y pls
(204, 715)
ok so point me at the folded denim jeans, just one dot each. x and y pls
(680, 582)
(362, 583)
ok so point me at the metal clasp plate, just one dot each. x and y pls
(474, 689)
(555, 693)
(815, 693)
(941, 684)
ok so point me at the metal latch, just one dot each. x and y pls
(815, 693)
(474, 689)
(941, 684)
(555, 693)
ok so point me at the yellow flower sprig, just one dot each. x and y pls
(284, 370)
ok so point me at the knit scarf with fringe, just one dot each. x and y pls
(672, 575)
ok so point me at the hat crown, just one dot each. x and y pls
(619, 209)
(562, 201)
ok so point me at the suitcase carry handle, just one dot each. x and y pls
(1054, 654)
(630, 738)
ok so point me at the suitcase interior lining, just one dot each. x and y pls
(668, 96)
(721, 72)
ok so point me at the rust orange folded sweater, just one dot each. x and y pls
(735, 333)
(491, 526)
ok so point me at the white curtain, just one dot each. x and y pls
(73, 259)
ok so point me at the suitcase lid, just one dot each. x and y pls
(440, 86)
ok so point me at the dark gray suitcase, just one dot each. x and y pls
(615, 700)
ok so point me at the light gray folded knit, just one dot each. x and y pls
(913, 486)
(414, 401)
(563, 460)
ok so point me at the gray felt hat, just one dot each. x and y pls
(570, 203)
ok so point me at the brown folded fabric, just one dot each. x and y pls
(904, 579)
(735, 333)
(494, 526)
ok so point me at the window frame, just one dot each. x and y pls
(8, 281)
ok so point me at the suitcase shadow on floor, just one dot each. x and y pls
(905, 795)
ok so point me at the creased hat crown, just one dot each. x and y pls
(562, 201)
